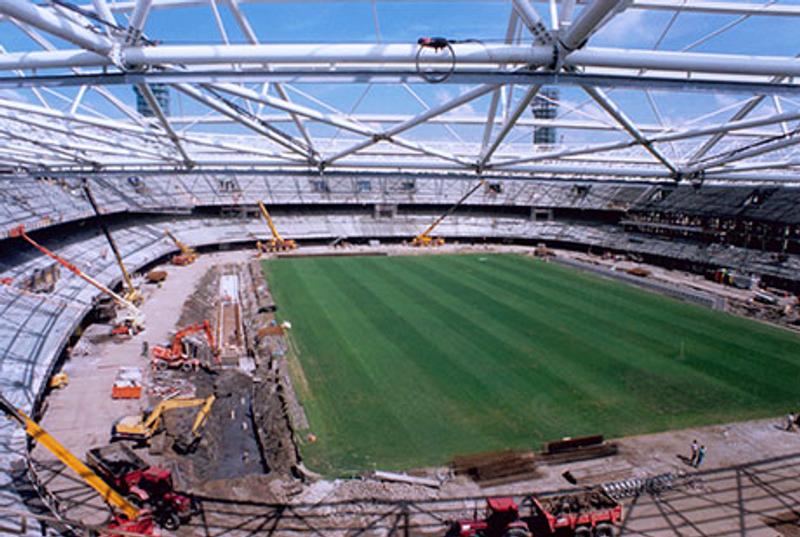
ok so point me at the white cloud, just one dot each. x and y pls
(443, 96)
(626, 28)
(12, 95)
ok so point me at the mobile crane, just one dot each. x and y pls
(131, 293)
(127, 517)
(177, 355)
(187, 255)
(276, 243)
(132, 319)
(425, 239)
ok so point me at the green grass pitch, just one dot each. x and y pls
(407, 361)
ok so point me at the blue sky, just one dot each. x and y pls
(405, 21)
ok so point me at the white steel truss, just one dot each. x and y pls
(657, 109)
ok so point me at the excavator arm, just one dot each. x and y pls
(154, 418)
(55, 447)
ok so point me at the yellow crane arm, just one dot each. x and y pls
(167, 405)
(201, 417)
(452, 209)
(185, 250)
(71, 461)
(270, 223)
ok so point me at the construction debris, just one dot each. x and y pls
(496, 467)
(576, 449)
(404, 478)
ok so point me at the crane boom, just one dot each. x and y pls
(19, 231)
(131, 292)
(275, 234)
(450, 211)
(55, 447)
(277, 242)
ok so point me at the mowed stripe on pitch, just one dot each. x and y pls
(411, 360)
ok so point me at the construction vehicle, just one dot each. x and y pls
(140, 428)
(126, 517)
(142, 484)
(130, 317)
(425, 239)
(187, 255)
(182, 355)
(131, 292)
(586, 513)
(277, 243)
(189, 443)
(58, 381)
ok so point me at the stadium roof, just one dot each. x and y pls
(688, 90)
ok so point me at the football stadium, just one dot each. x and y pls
(491, 268)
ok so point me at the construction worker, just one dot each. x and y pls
(701, 455)
(694, 448)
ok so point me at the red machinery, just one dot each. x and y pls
(133, 321)
(177, 355)
(141, 484)
(589, 513)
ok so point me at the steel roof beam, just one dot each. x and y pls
(417, 120)
(471, 56)
(137, 21)
(625, 122)
(44, 19)
(567, 171)
(658, 138)
(486, 155)
(247, 30)
(674, 81)
(147, 93)
(688, 6)
(224, 108)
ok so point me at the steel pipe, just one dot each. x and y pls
(46, 20)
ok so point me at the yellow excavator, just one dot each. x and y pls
(276, 243)
(127, 517)
(425, 239)
(142, 427)
(187, 255)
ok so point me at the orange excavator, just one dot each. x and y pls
(179, 354)
(131, 318)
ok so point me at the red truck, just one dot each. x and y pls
(591, 513)
(142, 484)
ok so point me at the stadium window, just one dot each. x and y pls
(580, 190)
(363, 186)
(408, 186)
(228, 185)
(320, 185)
(495, 188)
